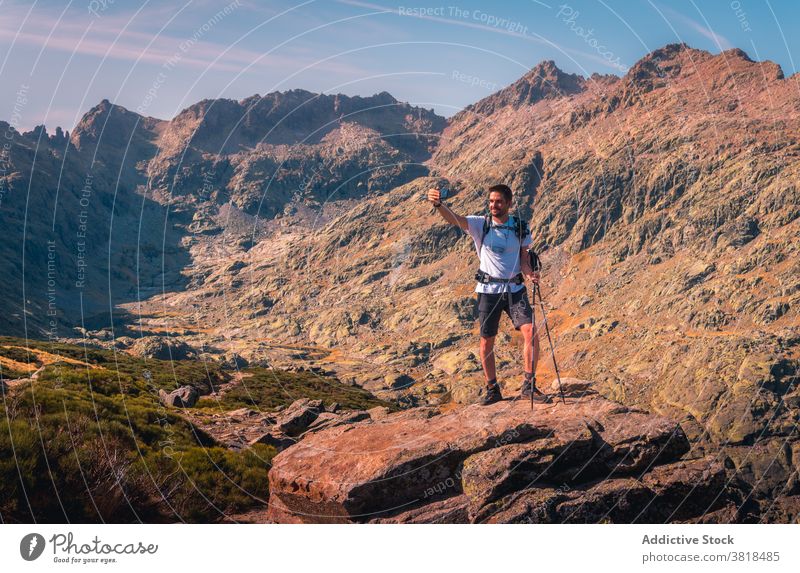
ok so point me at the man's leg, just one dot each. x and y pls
(531, 348)
(487, 357)
(522, 315)
(489, 311)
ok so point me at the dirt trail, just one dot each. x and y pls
(41, 359)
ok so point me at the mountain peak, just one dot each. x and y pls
(668, 51)
(385, 97)
(659, 66)
(553, 80)
(544, 81)
(288, 117)
(672, 61)
(104, 107)
(547, 66)
(110, 122)
(737, 53)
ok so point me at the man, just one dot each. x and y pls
(502, 255)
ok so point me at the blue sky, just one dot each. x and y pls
(159, 57)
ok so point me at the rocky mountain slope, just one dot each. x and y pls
(291, 228)
(125, 198)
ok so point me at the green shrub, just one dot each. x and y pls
(89, 444)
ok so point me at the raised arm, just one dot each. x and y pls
(445, 212)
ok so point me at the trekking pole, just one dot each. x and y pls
(533, 345)
(537, 289)
(536, 266)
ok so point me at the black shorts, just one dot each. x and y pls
(491, 307)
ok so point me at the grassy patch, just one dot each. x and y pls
(90, 444)
(18, 354)
(268, 388)
(205, 376)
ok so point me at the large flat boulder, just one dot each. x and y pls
(374, 468)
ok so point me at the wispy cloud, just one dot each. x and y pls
(721, 41)
(65, 35)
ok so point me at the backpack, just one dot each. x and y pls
(520, 229)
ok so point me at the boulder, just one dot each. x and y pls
(449, 510)
(457, 361)
(329, 420)
(536, 505)
(493, 473)
(355, 472)
(614, 500)
(633, 441)
(378, 412)
(574, 452)
(162, 348)
(396, 381)
(467, 390)
(730, 513)
(296, 419)
(183, 397)
(608, 501)
(242, 414)
(233, 361)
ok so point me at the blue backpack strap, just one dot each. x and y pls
(522, 229)
(487, 224)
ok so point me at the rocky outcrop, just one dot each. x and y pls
(282, 428)
(183, 397)
(296, 419)
(587, 459)
(162, 348)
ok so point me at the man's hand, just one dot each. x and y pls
(533, 277)
(435, 197)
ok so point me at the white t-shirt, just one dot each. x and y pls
(500, 255)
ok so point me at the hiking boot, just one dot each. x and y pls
(491, 394)
(529, 388)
